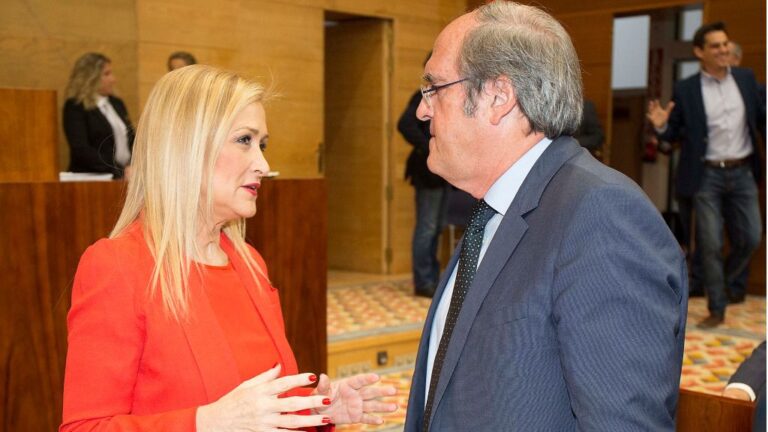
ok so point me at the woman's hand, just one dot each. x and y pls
(254, 406)
(353, 399)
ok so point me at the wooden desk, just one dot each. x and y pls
(45, 227)
(699, 412)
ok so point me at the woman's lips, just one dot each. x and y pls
(252, 188)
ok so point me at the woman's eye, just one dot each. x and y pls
(245, 139)
(263, 145)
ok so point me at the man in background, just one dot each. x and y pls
(718, 115)
(179, 59)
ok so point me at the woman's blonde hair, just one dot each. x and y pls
(186, 119)
(85, 79)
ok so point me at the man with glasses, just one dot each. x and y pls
(564, 306)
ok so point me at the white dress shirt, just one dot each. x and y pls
(119, 130)
(726, 118)
(499, 197)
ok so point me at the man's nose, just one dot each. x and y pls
(424, 112)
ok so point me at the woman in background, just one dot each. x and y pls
(174, 324)
(96, 123)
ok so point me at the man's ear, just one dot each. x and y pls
(503, 98)
(698, 52)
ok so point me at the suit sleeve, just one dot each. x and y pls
(619, 308)
(106, 340)
(752, 371)
(676, 122)
(76, 131)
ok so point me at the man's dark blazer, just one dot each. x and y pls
(575, 319)
(90, 137)
(688, 123)
(416, 133)
(752, 371)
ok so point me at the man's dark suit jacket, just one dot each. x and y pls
(575, 319)
(688, 122)
(90, 137)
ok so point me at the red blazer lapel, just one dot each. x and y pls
(208, 344)
(266, 300)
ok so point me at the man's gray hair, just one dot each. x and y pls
(735, 49)
(533, 50)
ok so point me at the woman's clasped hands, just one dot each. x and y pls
(256, 404)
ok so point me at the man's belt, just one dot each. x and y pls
(727, 163)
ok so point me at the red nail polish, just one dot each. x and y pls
(326, 420)
(326, 401)
(313, 378)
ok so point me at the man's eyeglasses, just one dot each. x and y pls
(427, 91)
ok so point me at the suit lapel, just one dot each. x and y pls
(209, 346)
(504, 243)
(206, 338)
(698, 102)
(261, 301)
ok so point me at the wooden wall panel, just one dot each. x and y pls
(41, 40)
(28, 135)
(278, 42)
(53, 223)
(745, 20)
(290, 230)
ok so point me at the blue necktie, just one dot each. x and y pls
(470, 253)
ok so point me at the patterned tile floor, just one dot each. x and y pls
(372, 308)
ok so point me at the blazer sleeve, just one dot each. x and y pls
(752, 371)
(106, 340)
(619, 308)
(76, 130)
(676, 121)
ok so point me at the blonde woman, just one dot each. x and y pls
(174, 325)
(96, 122)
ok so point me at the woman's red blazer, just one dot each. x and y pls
(130, 367)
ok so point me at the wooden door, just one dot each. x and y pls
(356, 146)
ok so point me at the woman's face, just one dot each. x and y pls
(107, 80)
(240, 166)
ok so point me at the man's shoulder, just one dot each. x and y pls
(744, 73)
(689, 83)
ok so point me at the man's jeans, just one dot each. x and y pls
(430, 214)
(730, 196)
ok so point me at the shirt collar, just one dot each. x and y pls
(102, 101)
(706, 75)
(504, 189)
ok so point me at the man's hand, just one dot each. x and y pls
(658, 115)
(736, 393)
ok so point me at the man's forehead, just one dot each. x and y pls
(715, 37)
(442, 64)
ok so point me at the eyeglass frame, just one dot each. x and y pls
(427, 91)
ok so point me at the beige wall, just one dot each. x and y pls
(280, 42)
